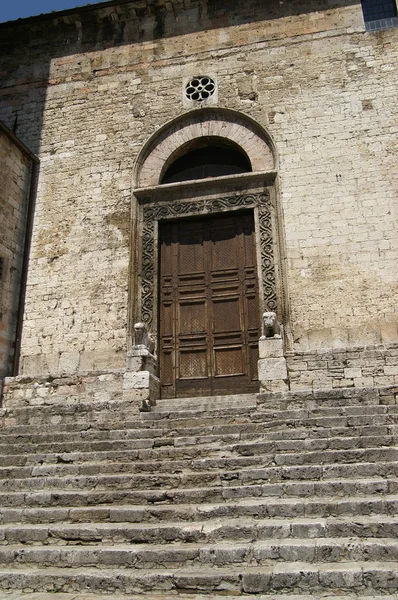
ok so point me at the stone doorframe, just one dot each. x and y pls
(153, 203)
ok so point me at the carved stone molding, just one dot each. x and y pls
(153, 213)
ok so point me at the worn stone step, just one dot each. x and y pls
(160, 449)
(283, 577)
(170, 595)
(116, 489)
(224, 434)
(195, 447)
(369, 595)
(366, 507)
(374, 474)
(226, 464)
(299, 438)
(103, 416)
(238, 431)
(257, 421)
(244, 454)
(184, 478)
(207, 403)
(170, 419)
(272, 418)
(215, 418)
(209, 531)
(383, 489)
(260, 553)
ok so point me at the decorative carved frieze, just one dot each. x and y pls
(152, 213)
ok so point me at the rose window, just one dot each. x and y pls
(200, 88)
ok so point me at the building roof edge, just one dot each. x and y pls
(61, 13)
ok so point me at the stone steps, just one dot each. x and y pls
(239, 454)
(188, 479)
(366, 508)
(233, 421)
(116, 415)
(73, 467)
(244, 402)
(280, 503)
(192, 596)
(201, 500)
(206, 555)
(282, 577)
(239, 431)
(187, 445)
(229, 431)
(204, 531)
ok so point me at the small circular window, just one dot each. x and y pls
(200, 88)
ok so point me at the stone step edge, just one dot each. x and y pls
(210, 523)
(283, 416)
(234, 544)
(101, 483)
(274, 471)
(379, 395)
(192, 509)
(284, 575)
(268, 421)
(143, 444)
(250, 437)
(169, 595)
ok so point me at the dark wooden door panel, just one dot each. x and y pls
(208, 306)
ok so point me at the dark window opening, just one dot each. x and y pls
(210, 161)
(2, 268)
(379, 14)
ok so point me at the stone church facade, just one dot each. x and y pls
(146, 279)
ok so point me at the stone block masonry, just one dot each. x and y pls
(362, 367)
(91, 86)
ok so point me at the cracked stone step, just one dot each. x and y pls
(381, 502)
(212, 530)
(234, 455)
(244, 426)
(300, 416)
(282, 577)
(102, 417)
(206, 403)
(259, 553)
(225, 441)
(263, 427)
(208, 519)
(164, 448)
(170, 595)
(213, 479)
(66, 467)
(152, 450)
(238, 431)
(219, 418)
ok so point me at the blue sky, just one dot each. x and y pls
(17, 9)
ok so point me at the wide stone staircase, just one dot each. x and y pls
(202, 499)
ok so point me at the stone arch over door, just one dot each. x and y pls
(163, 147)
(154, 203)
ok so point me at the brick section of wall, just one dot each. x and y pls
(15, 175)
(370, 367)
(323, 87)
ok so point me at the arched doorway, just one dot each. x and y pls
(205, 250)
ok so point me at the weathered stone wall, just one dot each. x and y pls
(96, 84)
(15, 176)
(373, 366)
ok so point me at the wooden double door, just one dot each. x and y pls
(209, 314)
